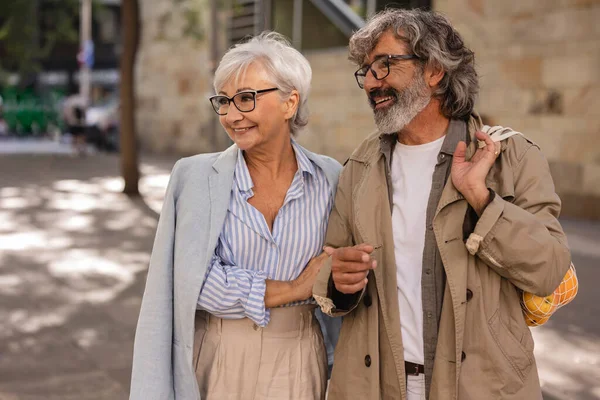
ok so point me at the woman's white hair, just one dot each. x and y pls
(285, 66)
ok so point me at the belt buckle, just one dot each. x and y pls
(416, 373)
(414, 369)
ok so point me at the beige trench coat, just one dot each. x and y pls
(485, 349)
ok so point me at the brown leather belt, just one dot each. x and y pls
(413, 369)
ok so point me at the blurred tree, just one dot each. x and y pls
(130, 28)
(22, 43)
(191, 27)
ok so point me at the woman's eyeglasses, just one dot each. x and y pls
(244, 101)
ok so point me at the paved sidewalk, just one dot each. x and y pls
(73, 259)
(33, 146)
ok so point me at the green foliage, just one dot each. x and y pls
(22, 41)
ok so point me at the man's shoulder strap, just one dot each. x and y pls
(497, 133)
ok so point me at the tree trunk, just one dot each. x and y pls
(129, 158)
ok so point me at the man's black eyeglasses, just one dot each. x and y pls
(244, 101)
(380, 68)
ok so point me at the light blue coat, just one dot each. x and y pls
(190, 222)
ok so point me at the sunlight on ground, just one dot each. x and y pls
(567, 364)
(30, 322)
(153, 185)
(78, 267)
(56, 229)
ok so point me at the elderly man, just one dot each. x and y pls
(433, 236)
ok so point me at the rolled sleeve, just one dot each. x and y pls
(522, 240)
(339, 234)
(486, 222)
(231, 292)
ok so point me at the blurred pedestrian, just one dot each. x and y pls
(3, 124)
(74, 110)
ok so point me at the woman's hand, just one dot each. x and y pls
(302, 286)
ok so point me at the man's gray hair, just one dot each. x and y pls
(285, 66)
(431, 37)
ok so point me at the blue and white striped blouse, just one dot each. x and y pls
(248, 253)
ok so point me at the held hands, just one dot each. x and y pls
(303, 284)
(350, 267)
(468, 177)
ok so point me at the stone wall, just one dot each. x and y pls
(174, 79)
(539, 63)
(340, 117)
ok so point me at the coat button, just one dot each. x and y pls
(463, 356)
(368, 360)
(367, 300)
(469, 294)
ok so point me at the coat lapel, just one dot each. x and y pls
(220, 184)
(448, 228)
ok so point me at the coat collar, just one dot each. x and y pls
(226, 160)
(455, 133)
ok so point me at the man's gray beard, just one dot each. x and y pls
(409, 102)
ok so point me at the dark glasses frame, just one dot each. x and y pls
(362, 72)
(215, 103)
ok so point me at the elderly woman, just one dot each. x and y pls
(227, 312)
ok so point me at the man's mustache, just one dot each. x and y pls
(379, 93)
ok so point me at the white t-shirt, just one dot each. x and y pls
(412, 174)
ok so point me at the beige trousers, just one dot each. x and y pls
(238, 360)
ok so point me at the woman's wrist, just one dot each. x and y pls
(279, 293)
(295, 290)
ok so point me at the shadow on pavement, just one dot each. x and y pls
(73, 258)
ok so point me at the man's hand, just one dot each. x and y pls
(350, 267)
(468, 177)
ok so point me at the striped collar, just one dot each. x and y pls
(242, 174)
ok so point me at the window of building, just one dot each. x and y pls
(317, 31)
(108, 29)
(320, 31)
(310, 24)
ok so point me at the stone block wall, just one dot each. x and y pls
(539, 63)
(174, 79)
(340, 117)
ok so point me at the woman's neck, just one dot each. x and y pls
(272, 160)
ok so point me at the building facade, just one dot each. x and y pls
(538, 68)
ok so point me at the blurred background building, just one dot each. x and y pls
(538, 63)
